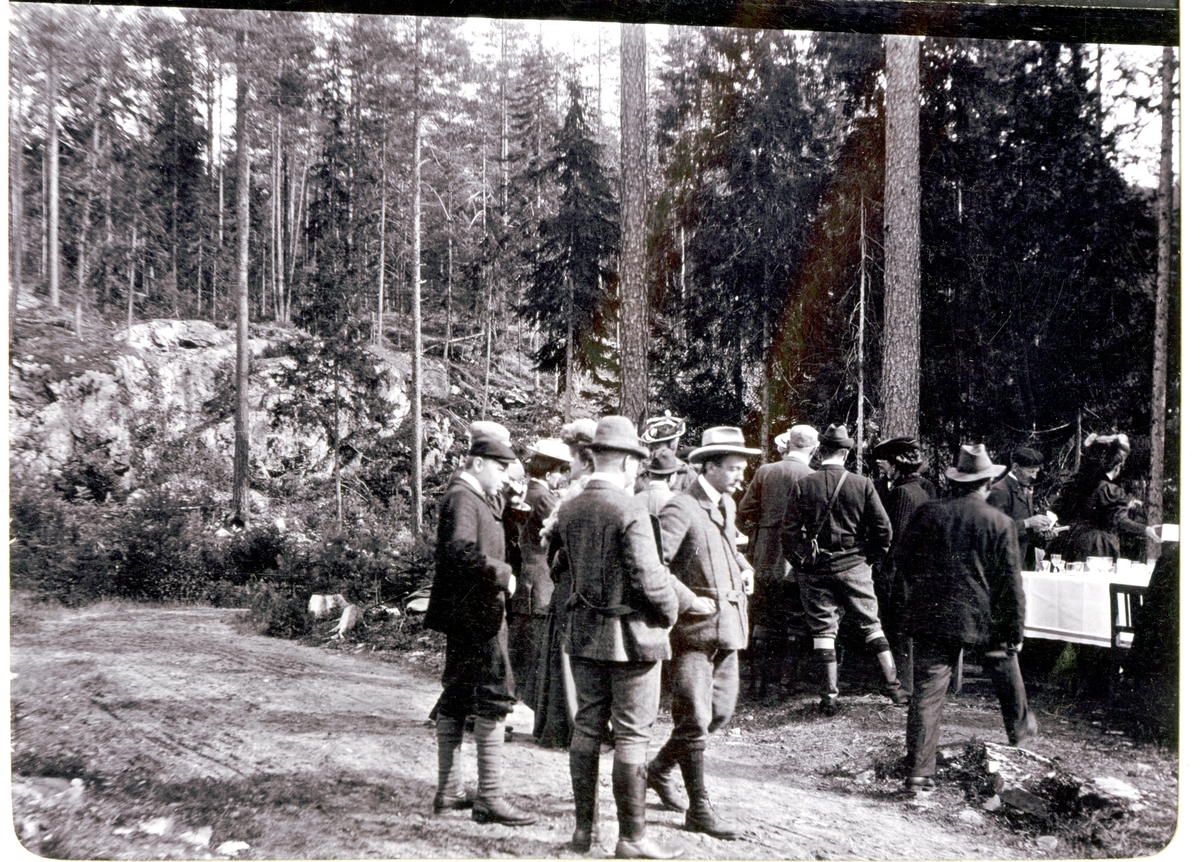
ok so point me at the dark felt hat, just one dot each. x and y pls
(616, 433)
(664, 463)
(1026, 457)
(898, 450)
(974, 464)
(836, 437)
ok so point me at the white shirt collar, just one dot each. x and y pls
(713, 493)
(473, 482)
(835, 460)
(611, 481)
(796, 455)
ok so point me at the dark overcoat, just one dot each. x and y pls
(761, 511)
(622, 600)
(700, 546)
(857, 529)
(470, 575)
(534, 585)
(961, 568)
(1009, 497)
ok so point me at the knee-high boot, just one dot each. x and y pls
(887, 663)
(490, 806)
(585, 776)
(700, 814)
(629, 790)
(450, 793)
(658, 777)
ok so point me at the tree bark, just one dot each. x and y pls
(634, 313)
(241, 418)
(17, 155)
(901, 377)
(418, 496)
(1166, 184)
(52, 164)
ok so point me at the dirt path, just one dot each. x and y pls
(307, 753)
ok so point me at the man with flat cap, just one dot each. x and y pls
(467, 602)
(1013, 495)
(775, 606)
(834, 531)
(699, 544)
(962, 572)
(621, 606)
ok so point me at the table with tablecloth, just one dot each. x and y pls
(1074, 606)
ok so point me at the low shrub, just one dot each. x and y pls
(275, 613)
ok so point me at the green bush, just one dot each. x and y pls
(277, 614)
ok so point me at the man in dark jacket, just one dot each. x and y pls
(467, 603)
(844, 514)
(700, 546)
(1013, 495)
(775, 606)
(962, 573)
(622, 603)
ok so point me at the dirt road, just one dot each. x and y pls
(183, 728)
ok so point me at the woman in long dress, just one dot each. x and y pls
(554, 702)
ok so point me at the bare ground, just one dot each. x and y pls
(185, 733)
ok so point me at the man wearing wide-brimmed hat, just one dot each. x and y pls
(775, 605)
(467, 602)
(665, 432)
(621, 606)
(1013, 495)
(842, 513)
(700, 546)
(962, 573)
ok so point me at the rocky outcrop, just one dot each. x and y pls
(172, 379)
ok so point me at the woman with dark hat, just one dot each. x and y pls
(1095, 506)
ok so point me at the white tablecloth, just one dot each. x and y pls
(1073, 606)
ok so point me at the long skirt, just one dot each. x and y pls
(554, 702)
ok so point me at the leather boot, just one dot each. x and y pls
(629, 789)
(658, 777)
(829, 690)
(490, 806)
(450, 793)
(585, 775)
(887, 664)
(700, 814)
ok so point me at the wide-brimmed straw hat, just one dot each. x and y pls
(552, 449)
(664, 463)
(803, 436)
(836, 437)
(491, 440)
(579, 433)
(974, 464)
(663, 429)
(617, 434)
(721, 440)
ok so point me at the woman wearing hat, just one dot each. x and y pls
(1095, 506)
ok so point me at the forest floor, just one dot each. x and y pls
(151, 732)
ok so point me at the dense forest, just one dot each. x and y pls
(375, 143)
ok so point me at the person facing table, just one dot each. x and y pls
(1013, 495)
(1095, 506)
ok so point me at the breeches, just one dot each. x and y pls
(478, 678)
(704, 690)
(825, 595)
(625, 693)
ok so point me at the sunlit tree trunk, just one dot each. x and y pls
(241, 418)
(52, 182)
(634, 313)
(17, 186)
(418, 496)
(1164, 205)
(900, 383)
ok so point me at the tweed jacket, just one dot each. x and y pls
(534, 585)
(1009, 497)
(622, 600)
(760, 515)
(470, 575)
(655, 496)
(961, 567)
(700, 546)
(856, 531)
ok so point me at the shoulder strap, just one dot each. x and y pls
(829, 503)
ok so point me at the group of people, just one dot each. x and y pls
(615, 565)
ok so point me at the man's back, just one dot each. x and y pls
(856, 529)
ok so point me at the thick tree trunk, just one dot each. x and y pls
(1166, 184)
(52, 191)
(634, 313)
(901, 378)
(241, 416)
(418, 458)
